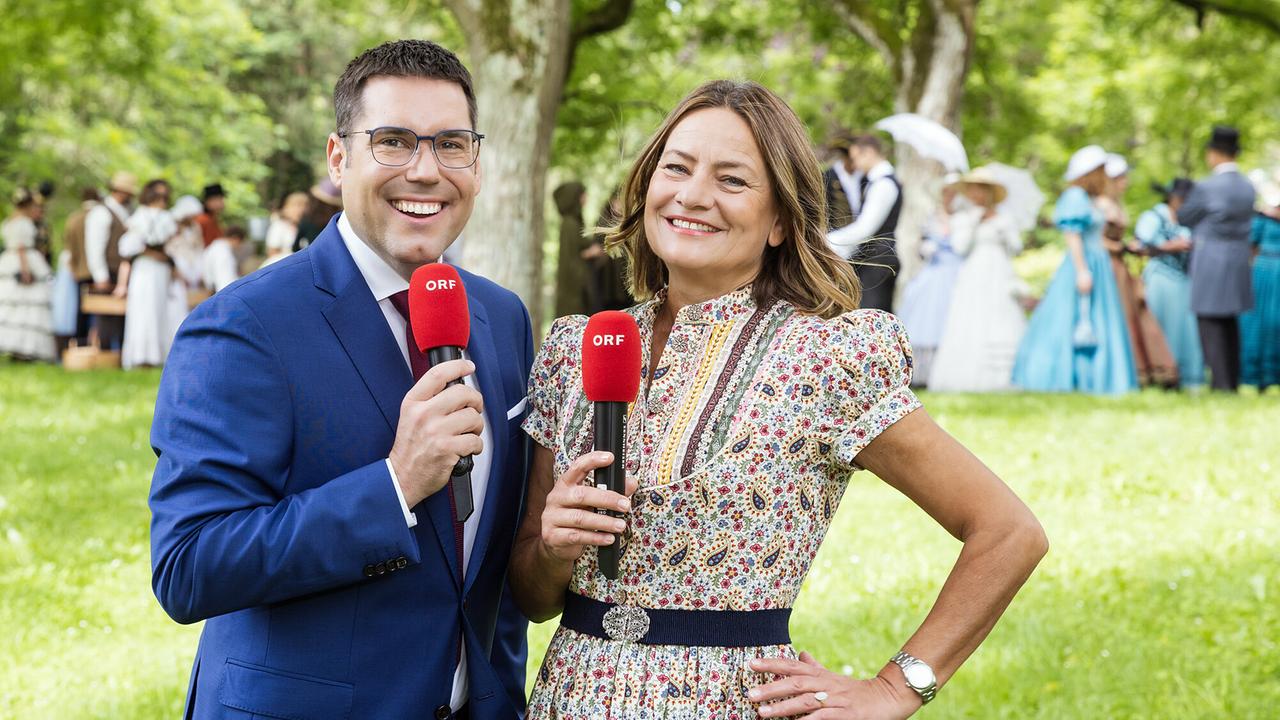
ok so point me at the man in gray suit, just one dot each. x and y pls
(1219, 211)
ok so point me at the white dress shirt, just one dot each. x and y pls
(849, 181)
(882, 193)
(97, 233)
(384, 282)
(1226, 167)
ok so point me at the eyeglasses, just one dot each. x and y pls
(396, 147)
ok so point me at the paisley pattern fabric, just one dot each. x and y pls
(742, 441)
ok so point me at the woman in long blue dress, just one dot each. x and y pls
(1077, 338)
(927, 299)
(1168, 288)
(1260, 327)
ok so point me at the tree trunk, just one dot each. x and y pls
(933, 88)
(518, 53)
(929, 66)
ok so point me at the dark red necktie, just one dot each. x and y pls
(419, 364)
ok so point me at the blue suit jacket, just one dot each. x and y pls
(271, 505)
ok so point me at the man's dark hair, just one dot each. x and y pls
(400, 58)
(235, 231)
(868, 141)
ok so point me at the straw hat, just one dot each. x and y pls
(1084, 161)
(123, 182)
(983, 176)
(186, 207)
(328, 193)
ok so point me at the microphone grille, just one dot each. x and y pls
(611, 357)
(438, 307)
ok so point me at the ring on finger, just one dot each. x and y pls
(821, 696)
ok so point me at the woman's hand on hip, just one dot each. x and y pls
(571, 520)
(807, 690)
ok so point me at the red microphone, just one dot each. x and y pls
(442, 328)
(611, 379)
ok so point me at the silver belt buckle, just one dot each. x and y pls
(626, 623)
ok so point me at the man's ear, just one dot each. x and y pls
(336, 152)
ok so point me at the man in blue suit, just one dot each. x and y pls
(301, 503)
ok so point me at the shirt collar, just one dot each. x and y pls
(881, 169)
(1226, 167)
(725, 308)
(382, 280)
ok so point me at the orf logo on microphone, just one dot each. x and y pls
(609, 340)
(442, 284)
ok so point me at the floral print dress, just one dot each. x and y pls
(742, 442)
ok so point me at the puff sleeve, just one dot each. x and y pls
(872, 390)
(1074, 211)
(554, 369)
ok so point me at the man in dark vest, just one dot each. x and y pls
(869, 240)
(1219, 211)
(73, 241)
(841, 181)
(103, 227)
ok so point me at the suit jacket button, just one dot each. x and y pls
(443, 712)
(380, 568)
(402, 562)
(368, 570)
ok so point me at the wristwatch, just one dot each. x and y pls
(919, 675)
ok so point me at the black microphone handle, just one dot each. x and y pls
(461, 481)
(610, 429)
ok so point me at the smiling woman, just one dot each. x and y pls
(761, 390)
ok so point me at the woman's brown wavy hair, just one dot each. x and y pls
(802, 270)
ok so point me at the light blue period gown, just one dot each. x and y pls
(1052, 356)
(1260, 327)
(1168, 292)
(927, 299)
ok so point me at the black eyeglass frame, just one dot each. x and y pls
(417, 144)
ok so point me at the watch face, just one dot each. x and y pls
(919, 675)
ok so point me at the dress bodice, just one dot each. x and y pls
(741, 441)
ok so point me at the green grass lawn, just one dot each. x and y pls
(1160, 597)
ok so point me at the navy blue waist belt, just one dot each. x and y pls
(691, 628)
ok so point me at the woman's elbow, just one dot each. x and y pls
(1031, 540)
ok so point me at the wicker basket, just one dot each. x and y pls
(98, 304)
(77, 358)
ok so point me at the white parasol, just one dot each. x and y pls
(1025, 199)
(928, 138)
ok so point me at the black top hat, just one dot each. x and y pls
(212, 191)
(1225, 139)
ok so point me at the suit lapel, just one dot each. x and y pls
(488, 372)
(361, 329)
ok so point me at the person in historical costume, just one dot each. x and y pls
(1077, 339)
(1152, 358)
(869, 241)
(926, 301)
(77, 263)
(986, 321)
(1260, 327)
(324, 200)
(606, 274)
(571, 267)
(214, 199)
(762, 389)
(104, 225)
(1167, 287)
(283, 230)
(1219, 211)
(26, 330)
(148, 327)
(221, 268)
(842, 181)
